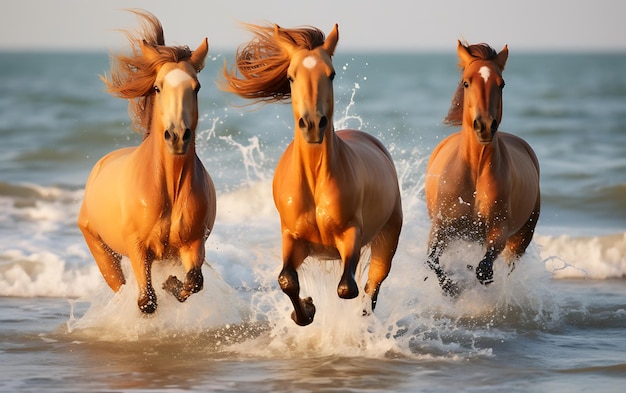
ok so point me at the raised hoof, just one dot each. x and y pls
(147, 303)
(484, 272)
(174, 286)
(347, 288)
(308, 309)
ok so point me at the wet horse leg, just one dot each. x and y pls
(496, 240)
(293, 256)
(108, 261)
(349, 247)
(141, 261)
(192, 258)
(519, 242)
(383, 249)
(436, 246)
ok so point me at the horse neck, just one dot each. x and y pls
(169, 170)
(317, 159)
(479, 157)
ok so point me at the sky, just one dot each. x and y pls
(364, 25)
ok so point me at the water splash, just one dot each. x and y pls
(253, 157)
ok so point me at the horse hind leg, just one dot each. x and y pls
(383, 249)
(519, 242)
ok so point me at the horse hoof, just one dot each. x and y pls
(347, 289)
(147, 305)
(308, 310)
(174, 286)
(484, 273)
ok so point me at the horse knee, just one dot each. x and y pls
(288, 281)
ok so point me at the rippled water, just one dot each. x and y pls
(555, 324)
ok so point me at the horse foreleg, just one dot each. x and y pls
(436, 247)
(349, 247)
(108, 261)
(141, 261)
(496, 240)
(192, 260)
(293, 256)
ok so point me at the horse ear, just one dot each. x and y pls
(501, 58)
(285, 44)
(464, 54)
(331, 41)
(199, 55)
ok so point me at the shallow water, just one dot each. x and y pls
(554, 324)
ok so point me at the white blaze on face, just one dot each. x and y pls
(176, 77)
(309, 62)
(485, 72)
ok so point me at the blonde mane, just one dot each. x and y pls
(263, 62)
(133, 75)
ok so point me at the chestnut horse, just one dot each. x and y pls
(336, 192)
(156, 200)
(482, 184)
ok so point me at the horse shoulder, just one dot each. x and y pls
(447, 178)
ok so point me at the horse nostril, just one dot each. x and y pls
(494, 125)
(187, 135)
(302, 123)
(167, 135)
(477, 125)
(323, 122)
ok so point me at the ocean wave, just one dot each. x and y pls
(595, 257)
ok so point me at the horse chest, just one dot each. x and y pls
(312, 219)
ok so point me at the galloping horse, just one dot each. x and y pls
(482, 184)
(156, 200)
(336, 192)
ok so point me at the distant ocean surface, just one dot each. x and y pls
(555, 324)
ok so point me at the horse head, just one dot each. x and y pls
(176, 96)
(310, 74)
(482, 83)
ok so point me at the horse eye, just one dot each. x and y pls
(503, 84)
(332, 76)
(156, 89)
(197, 89)
(465, 84)
(289, 78)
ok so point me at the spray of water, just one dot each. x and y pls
(242, 309)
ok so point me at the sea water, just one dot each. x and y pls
(554, 324)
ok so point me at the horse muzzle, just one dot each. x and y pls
(485, 129)
(313, 129)
(177, 142)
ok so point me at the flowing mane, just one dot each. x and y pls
(263, 62)
(455, 113)
(133, 75)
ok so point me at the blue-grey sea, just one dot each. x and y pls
(557, 323)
